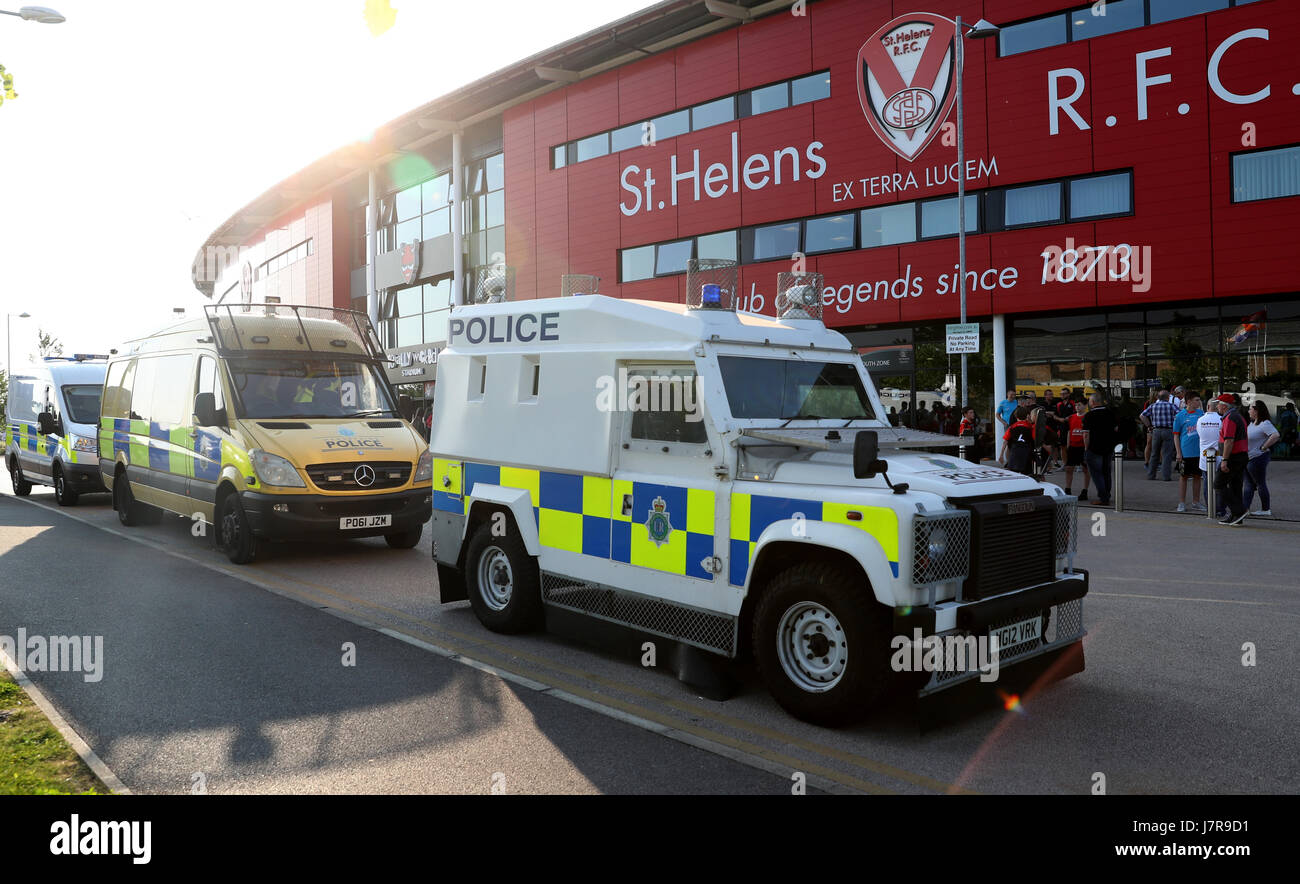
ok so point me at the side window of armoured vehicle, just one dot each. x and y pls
(665, 411)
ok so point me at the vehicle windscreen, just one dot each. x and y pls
(793, 389)
(283, 387)
(83, 402)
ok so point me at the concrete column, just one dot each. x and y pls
(372, 246)
(457, 220)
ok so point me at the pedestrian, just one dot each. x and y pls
(1208, 427)
(1234, 453)
(1005, 412)
(1074, 450)
(1099, 435)
(1018, 448)
(1188, 445)
(1144, 424)
(1288, 423)
(1262, 437)
(1180, 397)
(968, 429)
(1159, 417)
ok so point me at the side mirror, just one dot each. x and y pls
(866, 455)
(205, 410)
(46, 423)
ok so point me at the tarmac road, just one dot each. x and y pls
(213, 672)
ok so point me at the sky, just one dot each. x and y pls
(140, 127)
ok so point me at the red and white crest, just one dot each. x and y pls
(410, 258)
(905, 80)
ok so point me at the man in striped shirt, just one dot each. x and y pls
(1159, 417)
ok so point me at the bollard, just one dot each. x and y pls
(1211, 473)
(1117, 483)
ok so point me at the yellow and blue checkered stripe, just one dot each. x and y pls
(166, 449)
(751, 514)
(583, 514)
(25, 437)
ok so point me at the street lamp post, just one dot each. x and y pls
(41, 14)
(9, 361)
(981, 29)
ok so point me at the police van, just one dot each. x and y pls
(51, 426)
(268, 421)
(729, 481)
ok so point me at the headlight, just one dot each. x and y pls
(424, 469)
(938, 543)
(272, 469)
(82, 443)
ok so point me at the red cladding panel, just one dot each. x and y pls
(857, 286)
(593, 226)
(774, 165)
(593, 104)
(1021, 139)
(935, 262)
(521, 198)
(646, 88)
(1024, 291)
(708, 213)
(707, 68)
(775, 48)
(651, 219)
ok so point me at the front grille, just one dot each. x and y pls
(344, 476)
(1014, 545)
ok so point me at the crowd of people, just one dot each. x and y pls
(1176, 429)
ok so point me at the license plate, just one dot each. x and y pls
(1018, 633)
(351, 522)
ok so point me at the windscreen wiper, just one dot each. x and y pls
(371, 411)
(802, 417)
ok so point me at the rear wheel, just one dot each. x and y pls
(234, 533)
(503, 581)
(130, 511)
(406, 539)
(22, 487)
(62, 493)
(821, 643)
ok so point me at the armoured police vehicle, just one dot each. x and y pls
(51, 425)
(272, 422)
(728, 481)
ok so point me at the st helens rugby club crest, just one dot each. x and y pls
(410, 256)
(905, 80)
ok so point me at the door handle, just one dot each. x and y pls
(627, 504)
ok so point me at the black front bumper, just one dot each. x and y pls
(316, 516)
(978, 616)
(83, 478)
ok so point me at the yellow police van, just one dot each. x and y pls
(728, 481)
(268, 421)
(51, 426)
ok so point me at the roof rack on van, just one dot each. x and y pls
(241, 329)
(77, 357)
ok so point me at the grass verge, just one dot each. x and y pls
(34, 757)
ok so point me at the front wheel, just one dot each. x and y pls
(822, 644)
(22, 487)
(234, 533)
(503, 581)
(129, 511)
(62, 493)
(405, 539)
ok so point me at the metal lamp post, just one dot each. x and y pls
(981, 29)
(9, 360)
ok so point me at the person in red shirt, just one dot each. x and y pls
(1233, 458)
(1074, 449)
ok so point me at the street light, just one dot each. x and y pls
(42, 14)
(981, 29)
(9, 365)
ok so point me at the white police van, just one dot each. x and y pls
(52, 424)
(727, 481)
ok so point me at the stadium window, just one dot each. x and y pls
(625, 138)
(558, 156)
(1168, 10)
(1266, 174)
(671, 125)
(1101, 195)
(1037, 33)
(1115, 16)
(638, 263)
(811, 88)
(671, 257)
(1032, 205)
(713, 113)
(592, 147)
(939, 217)
(830, 234)
(720, 246)
(887, 225)
(770, 242)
